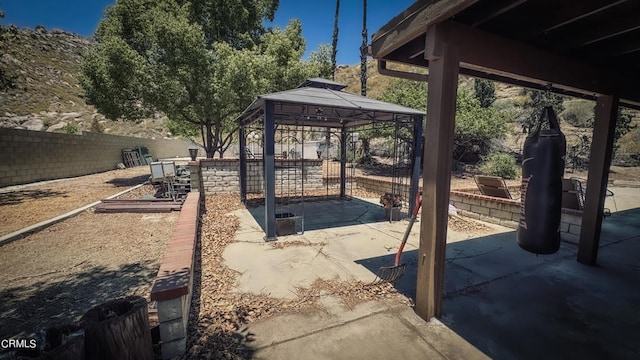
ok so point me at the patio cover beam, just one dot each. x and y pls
(599, 163)
(441, 105)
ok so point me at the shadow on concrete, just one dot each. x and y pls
(58, 300)
(132, 181)
(512, 304)
(19, 196)
(325, 214)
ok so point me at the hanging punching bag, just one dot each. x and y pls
(542, 171)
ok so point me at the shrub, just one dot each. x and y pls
(71, 129)
(578, 113)
(499, 164)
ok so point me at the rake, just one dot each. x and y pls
(394, 273)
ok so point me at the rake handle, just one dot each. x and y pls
(414, 214)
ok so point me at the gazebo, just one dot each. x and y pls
(318, 103)
(588, 49)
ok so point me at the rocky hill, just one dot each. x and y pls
(41, 75)
(40, 89)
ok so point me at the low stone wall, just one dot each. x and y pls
(223, 175)
(173, 286)
(506, 212)
(471, 203)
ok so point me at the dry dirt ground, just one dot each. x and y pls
(54, 276)
(21, 206)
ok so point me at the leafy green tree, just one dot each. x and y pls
(238, 23)
(188, 61)
(484, 91)
(624, 124)
(404, 92)
(476, 126)
(320, 61)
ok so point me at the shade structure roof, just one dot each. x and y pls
(320, 102)
(580, 47)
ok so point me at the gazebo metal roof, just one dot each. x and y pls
(320, 102)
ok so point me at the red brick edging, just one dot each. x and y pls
(176, 269)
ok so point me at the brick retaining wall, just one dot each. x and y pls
(173, 286)
(29, 156)
(506, 212)
(471, 203)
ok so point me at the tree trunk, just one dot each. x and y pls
(334, 44)
(209, 145)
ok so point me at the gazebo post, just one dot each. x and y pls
(416, 161)
(243, 164)
(343, 161)
(269, 172)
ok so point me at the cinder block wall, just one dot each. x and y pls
(223, 175)
(28, 156)
(506, 212)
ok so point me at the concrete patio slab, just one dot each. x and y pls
(500, 301)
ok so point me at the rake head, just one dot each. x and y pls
(390, 274)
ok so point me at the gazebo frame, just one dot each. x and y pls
(320, 103)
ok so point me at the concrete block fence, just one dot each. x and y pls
(28, 156)
(506, 212)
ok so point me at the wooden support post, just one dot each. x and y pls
(599, 163)
(441, 110)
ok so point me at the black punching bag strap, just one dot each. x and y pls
(547, 116)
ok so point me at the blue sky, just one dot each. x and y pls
(82, 16)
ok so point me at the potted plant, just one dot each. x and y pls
(392, 204)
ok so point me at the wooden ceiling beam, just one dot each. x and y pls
(494, 9)
(558, 17)
(596, 31)
(414, 22)
(485, 52)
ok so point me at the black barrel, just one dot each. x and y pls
(542, 172)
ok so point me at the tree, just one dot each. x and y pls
(334, 41)
(237, 23)
(623, 126)
(535, 102)
(168, 56)
(412, 94)
(484, 91)
(320, 61)
(476, 126)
